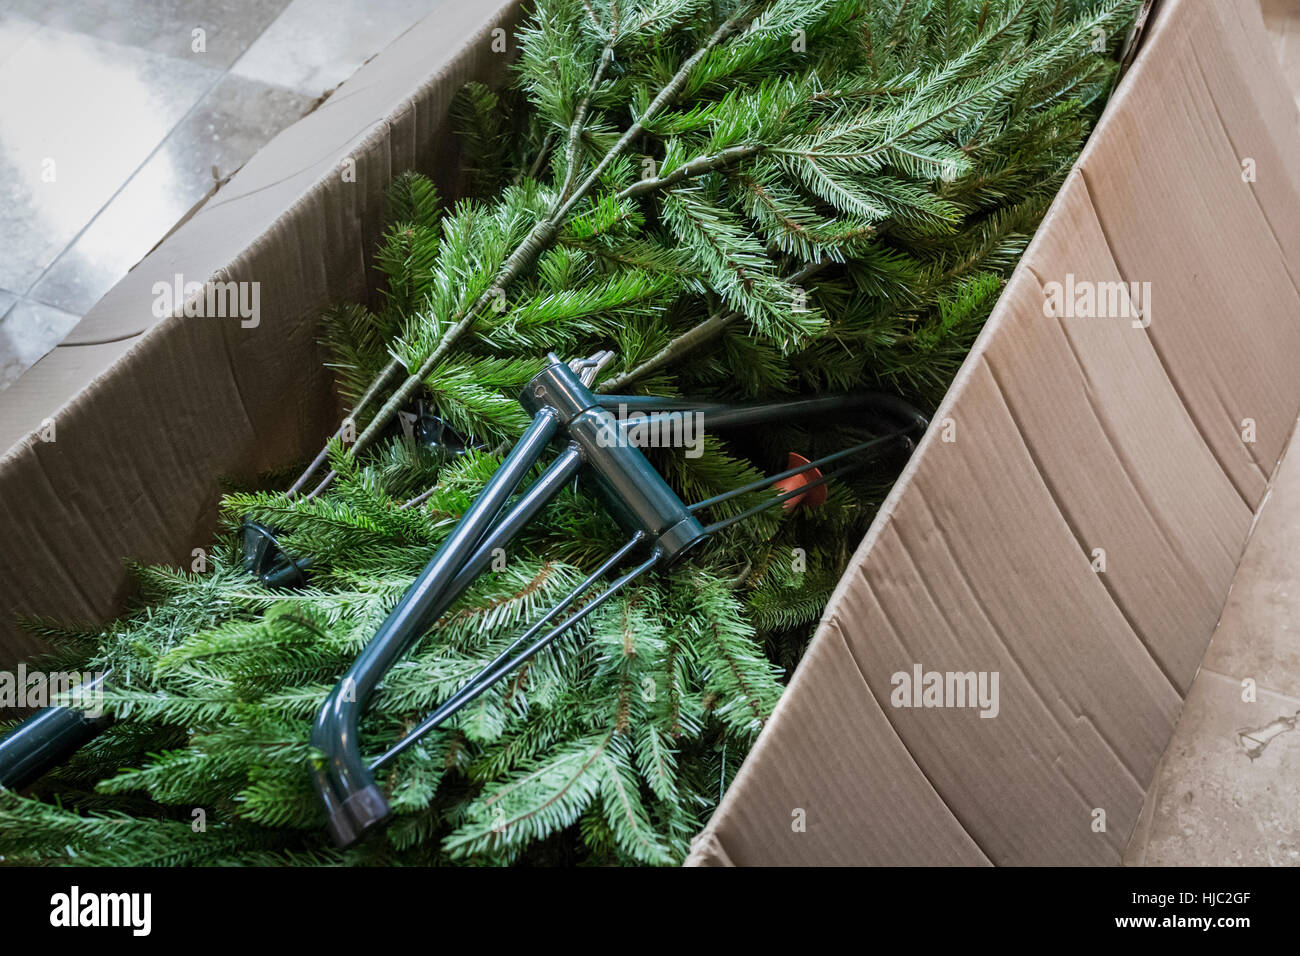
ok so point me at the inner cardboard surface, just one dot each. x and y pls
(1142, 440)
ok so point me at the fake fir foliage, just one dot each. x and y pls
(741, 200)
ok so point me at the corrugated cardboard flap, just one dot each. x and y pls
(1072, 521)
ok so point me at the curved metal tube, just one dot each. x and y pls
(352, 801)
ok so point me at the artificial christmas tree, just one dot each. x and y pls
(739, 200)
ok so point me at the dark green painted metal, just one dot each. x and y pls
(45, 740)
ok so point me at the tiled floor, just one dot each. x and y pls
(116, 115)
(1282, 18)
(1228, 788)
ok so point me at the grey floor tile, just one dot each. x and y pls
(31, 9)
(316, 44)
(167, 26)
(1258, 636)
(93, 109)
(14, 31)
(223, 130)
(29, 331)
(1228, 790)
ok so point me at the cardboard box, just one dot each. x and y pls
(1069, 434)
(1065, 440)
(147, 413)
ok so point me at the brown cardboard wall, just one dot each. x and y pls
(148, 413)
(1172, 202)
(1068, 432)
(1115, 446)
(844, 791)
